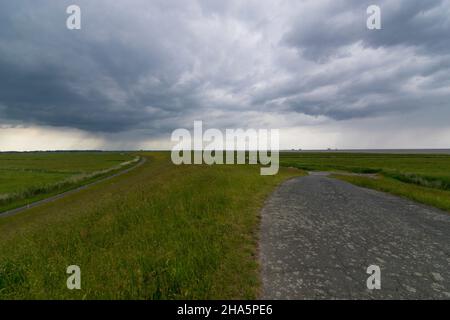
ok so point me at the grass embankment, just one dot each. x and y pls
(29, 177)
(158, 232)
(424, 178)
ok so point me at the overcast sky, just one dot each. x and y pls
(139, 69)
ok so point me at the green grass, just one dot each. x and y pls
(422, 177)
(432, 166)
(69, 162)
(28, 177)
(175, 232)
(158, 232)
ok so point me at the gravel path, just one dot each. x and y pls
(319, 235)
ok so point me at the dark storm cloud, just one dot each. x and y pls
(408, 72)
(152, 66)
(334, 24)
(102, 78)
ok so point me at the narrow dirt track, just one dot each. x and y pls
(319, 235)
(61, 195)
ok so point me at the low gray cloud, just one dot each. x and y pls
(152, 66)
(423, 25)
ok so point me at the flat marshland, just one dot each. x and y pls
(31, 176)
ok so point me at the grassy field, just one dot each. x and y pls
(27, 177)
(420, 177)
(163, 231)
(158, 232)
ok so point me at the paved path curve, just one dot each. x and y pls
(319, 235)
(61, 195)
